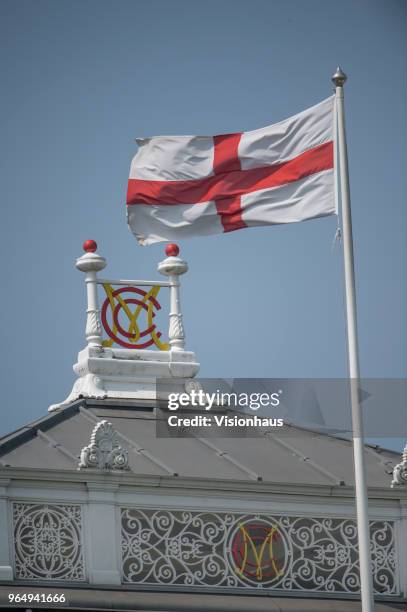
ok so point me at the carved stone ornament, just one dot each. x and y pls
(87, 385)
(93, 329)
(400, 471)
(104, 451)
(176, 330)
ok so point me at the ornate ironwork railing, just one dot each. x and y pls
(218, 550)
(48, 542)
(229, 550)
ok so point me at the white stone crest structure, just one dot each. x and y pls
(115, 372)
(104, 451)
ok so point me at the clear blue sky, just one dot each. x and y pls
(82, 78)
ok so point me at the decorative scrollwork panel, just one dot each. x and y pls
(229, 550)
(48, 542)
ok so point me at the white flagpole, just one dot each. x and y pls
(339, 79)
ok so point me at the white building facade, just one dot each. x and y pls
(99, 512)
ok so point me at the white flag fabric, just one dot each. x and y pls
(183, 186)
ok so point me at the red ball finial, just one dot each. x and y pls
(172, 249)
(90, 246)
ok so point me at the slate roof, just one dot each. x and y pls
(295, 456)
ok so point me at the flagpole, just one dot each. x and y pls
(366, 584)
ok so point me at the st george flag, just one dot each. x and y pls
(183, 186)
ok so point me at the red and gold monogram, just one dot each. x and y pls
(258, 552)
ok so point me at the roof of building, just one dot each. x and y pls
(296, 456)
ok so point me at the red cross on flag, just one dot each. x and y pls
(183, 186)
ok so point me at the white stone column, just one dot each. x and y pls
(6, 566)
(91, 263)
(103, 539)
(173, 266)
